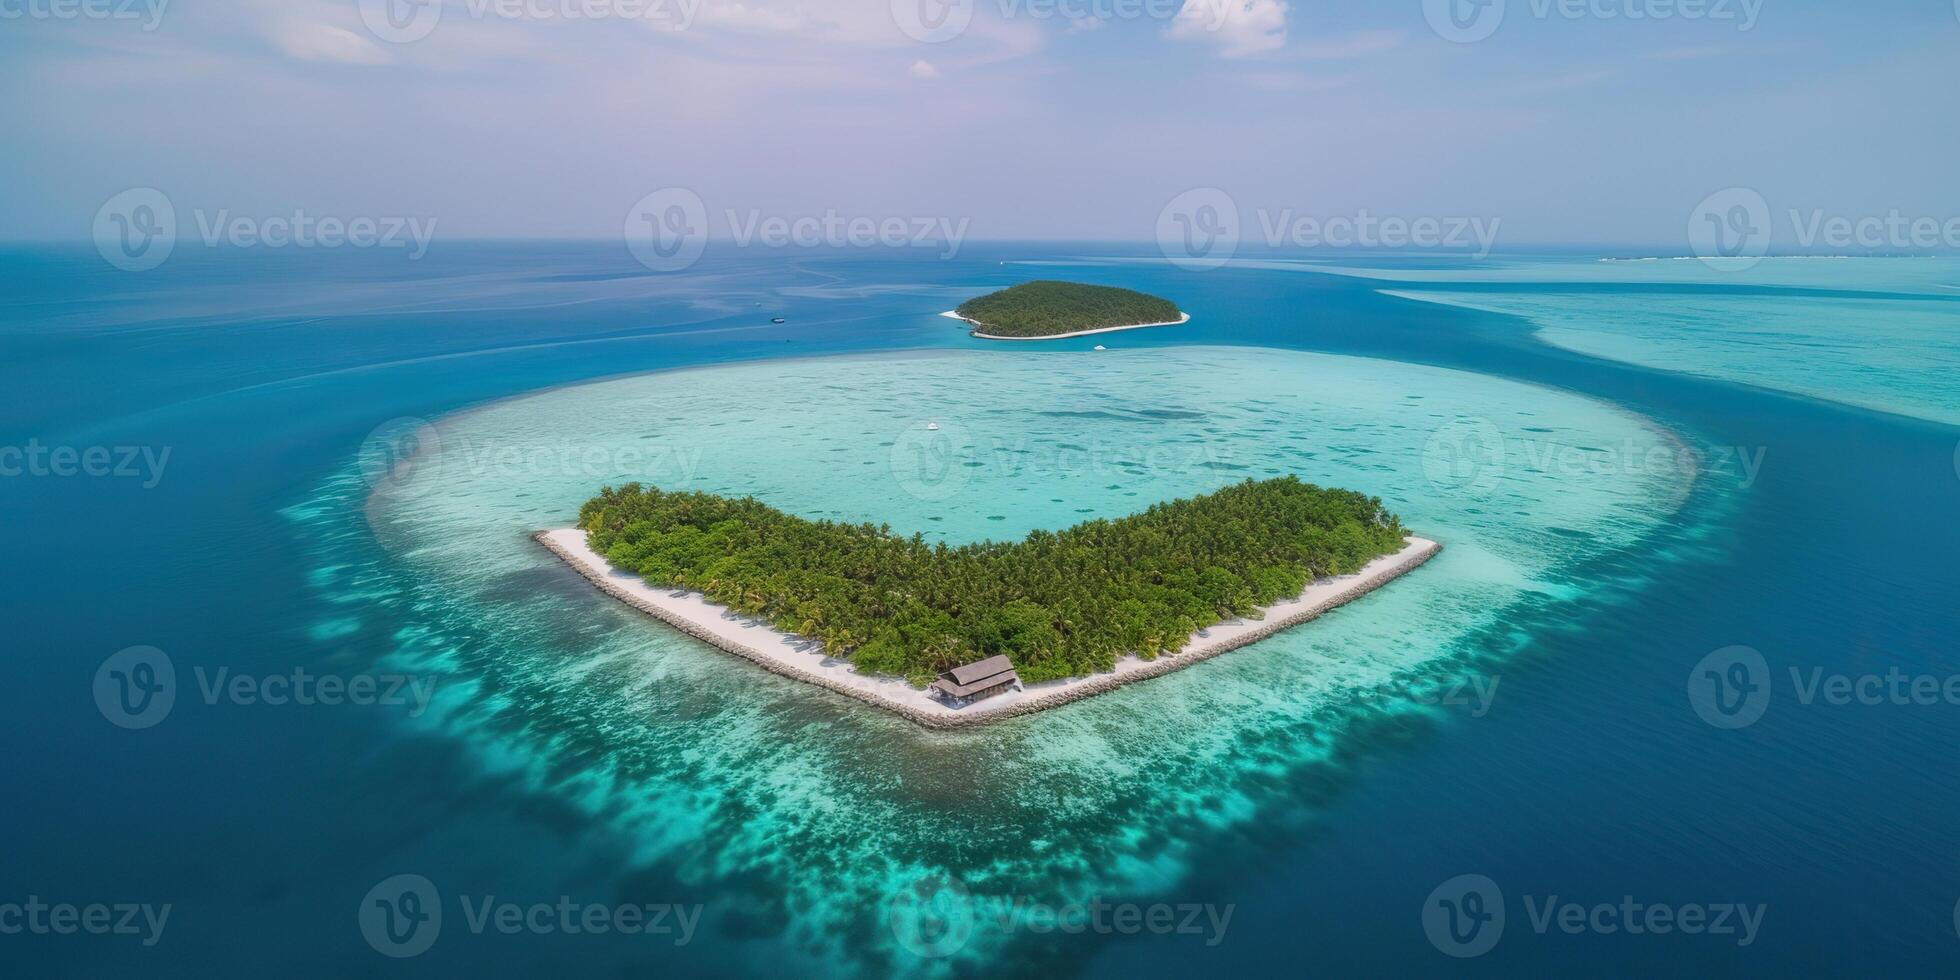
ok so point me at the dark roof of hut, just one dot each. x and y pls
(977, 676)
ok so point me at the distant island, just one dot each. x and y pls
(879, 615)
(1046, 309)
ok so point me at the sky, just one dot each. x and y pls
(1570, 121)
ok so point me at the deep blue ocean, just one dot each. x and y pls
(1590, 780)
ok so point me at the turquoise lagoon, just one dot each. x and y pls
(1871, 332)
(829, 813)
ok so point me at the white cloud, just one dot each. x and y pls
(924, 69)
(1241, 28)
(312, 41)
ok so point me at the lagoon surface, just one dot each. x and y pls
(1613, 511)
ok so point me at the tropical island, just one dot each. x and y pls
(1047, 309)
(879, 615)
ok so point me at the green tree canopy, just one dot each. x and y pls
(1058, 604)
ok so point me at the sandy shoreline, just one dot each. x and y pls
(1181, 318)
(796, 657)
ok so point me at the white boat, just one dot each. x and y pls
(932, 427)
(1101, 347)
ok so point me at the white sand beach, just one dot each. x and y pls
(1181, 318)
(794, 656)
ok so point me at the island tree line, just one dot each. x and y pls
(1058, 604)
(1046, 307)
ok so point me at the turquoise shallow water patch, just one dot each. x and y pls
(1892, 354)
(818, 812)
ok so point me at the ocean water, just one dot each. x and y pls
(1516, 709)
(1876, 333)
(1026, 441)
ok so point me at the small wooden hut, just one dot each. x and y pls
(980, 679)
